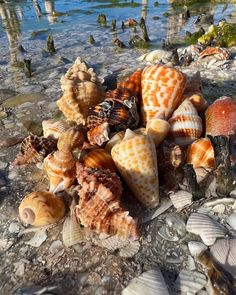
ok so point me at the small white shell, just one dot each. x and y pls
(181, 199)
(190, 282)
(130, 250)
(148, 283)
(231, 220)
(195, 248)
(202, 173)
(208, 228)
(111, 243)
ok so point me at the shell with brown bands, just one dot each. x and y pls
(71, 138)
(133, 83)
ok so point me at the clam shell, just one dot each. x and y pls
(195, 248)
(162, 89)
(136, 160)
(190, 282)
(157, 129)
(201, 154)
(111, 243)
(185, 124)
(54, 128)
(41, 209)
(181, 199)
(117, 138)
(148, 283)
(208, 229)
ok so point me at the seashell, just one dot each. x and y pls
(219, 53)
(73, 233)
(208, 228)
(156, 56)
(157, 129)
(34, 149)
(201, 154)
(185, 124)
(190, 282)
(136, 160)
(54, 128)
(195, 248)
(38, 238)
(202, 173)
(190, 263)
(221, 117)
(111, 243)
(181, 199)
(162, 89)
(99, 206)
(41, 208)
(231, 220)
(150, 282)
(61, 170)
(130, 250)
(81, 90)
(193, 92)
(117, 138)
(71, 139)
(99, 135)
(99, 158)
(133, 83)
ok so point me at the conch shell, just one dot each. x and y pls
(99, 205)
(201, 154)
(82, 90)
(34, 149)
(41, 209)
(185, 124)
(136, 159)
(162, 89)
(54, 128)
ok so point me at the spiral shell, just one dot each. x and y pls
(41, 209)
(136, 160)
(162, 89)
(219, 53)
(71, 139)
(54, 128)
(157, 129)
(221, 117)
(133, 83)
(185, 124)
(99, 135)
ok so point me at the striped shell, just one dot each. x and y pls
(71, 139)
(181, 199)
(99, 135)
(117, 138)
(150, 282)
(162, 89)
(136, 160)
(81, 90)
(99, 158)
(219, 53)
(54, 128)
(195, 248)
(99, 206)
(203, 225)
(221, 117)
(133, 83)
(157, 129)
(185, 124)
(41, 209)
(190, 282)
(201, 154)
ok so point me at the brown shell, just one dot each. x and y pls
(99, 206)
(133, 83)
(34, 149)
(99, 134)
(71, 138)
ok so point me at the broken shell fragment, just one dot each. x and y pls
(195, 248)
(54, 128)
(190, 282)
(157, 129)
(41, 209)
(181, 199)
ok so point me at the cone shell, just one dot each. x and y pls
(219, 53)
(99, 135)
(117, 138)
(157, 129)
(190, 282)
(61, 170)
(41, 209)
(150, 282)
(71, 139)
(99, 158)
(185, 124)
(162, 90)
(133, 83)
(201, 154)
(34, 149)
(221, 117)
(136, 160)
(208, 229)
(54, 128)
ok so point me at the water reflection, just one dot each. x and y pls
(50, 10)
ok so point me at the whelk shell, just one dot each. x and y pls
(54, 128)
(41, 208)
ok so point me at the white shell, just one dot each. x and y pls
(220, 208)
(233, 193)
(148, 283)
(39, 238)
(190, 282)
(208, 228)
(156, 56)
(191, 263)
(181, 199)
(195, 248)
(111, 243)
(202, 173)
(231, 220)
(130, 250)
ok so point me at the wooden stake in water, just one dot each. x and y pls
(27, 65)
(144, 30)
(50, 44)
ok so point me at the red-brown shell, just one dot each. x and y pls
(99, 135)
(219, 53)
(133, 83)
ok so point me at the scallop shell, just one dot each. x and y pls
(190, 282)
(99, 135)
(201, 154)
(136, 160)
(221, 117)
(117, 138)
(54, 128)
(133, 83)
(208, 229)
(195, 248)
(181, 199)
(150, 282)
(231, 220)
(71, 139)
(157, 129)
(162, 89)
(219, 53)
(130, 250)
(81, 90)
(61, 170)
(99, 205)
(193, 92)
(99, 158)
(41, 209)
(111, 243)
(185, 124)
(34, 149)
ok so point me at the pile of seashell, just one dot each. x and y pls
(157, 132)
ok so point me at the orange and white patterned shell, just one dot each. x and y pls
(61, 170)
(54, 128)
(219, 53)
(136, 159)
(162, 90)
(72, 138)
(185, 124)
(133, 83)
(201, 154)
